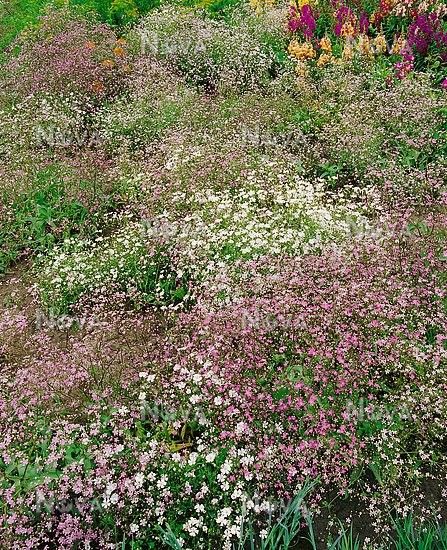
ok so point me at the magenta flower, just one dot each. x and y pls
(294, 25)
(307, 22)
(364, 22)
(423, 31)
(343, 15)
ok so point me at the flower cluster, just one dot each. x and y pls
(67, 53)
(123, 262)
(223, 287)
(369, 28)
(208, 53)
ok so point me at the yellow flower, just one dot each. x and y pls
(98, 87)
(302, 51)
(364, 47)
(325, 44)
(108, 63)
(292, 46)
(348, 53)
(260, 5)
(347, 29)
(119, 51)
(324, 59)
(398, 44)
(302, 69)
(380, 44)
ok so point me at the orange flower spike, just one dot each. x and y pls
(109, 63)
(324, 59)
(98, 87)
(348, 53)
(302, 69)
(380, 45)
(325, 44)
(347, 30)
(119, 51)
(90, 45)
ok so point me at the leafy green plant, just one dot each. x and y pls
(345, 541)
(427, 536)
(16, 15)
(39, 217)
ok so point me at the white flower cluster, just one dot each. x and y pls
(121, 262)
(45, 121)
(281, 214)
(209, 53)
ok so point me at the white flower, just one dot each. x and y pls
(210, 457)
(139, 479)
(199, 508)
(192, 458)
(225, 468)
(194, 399)
(222, 516)
(110, 488)
(240, 428)
(162, 482)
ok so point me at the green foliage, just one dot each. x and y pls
(40, 216)
(18, 15)
(345, 541)
(15, 16)
(123, 12)
(428, 536)
(221, 8)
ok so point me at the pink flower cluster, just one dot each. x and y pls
(69, 55)
(271, 379)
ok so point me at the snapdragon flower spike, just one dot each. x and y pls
(343, 15)
(294, 19)
(404, 67)
(307, 21)
(364, 22)
(421, 32)
(303, 21)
